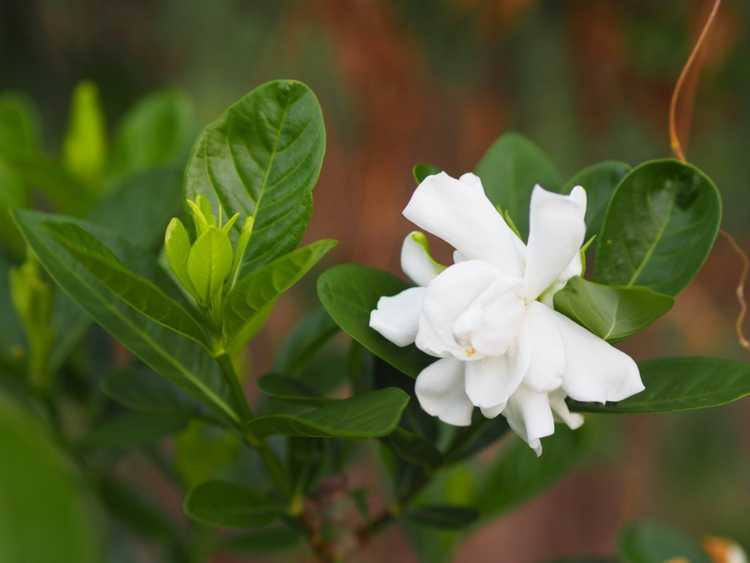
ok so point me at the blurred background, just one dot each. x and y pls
(406, 81)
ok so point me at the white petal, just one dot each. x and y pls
(561, 411)
(440, 391)
(530, 416)
(447, 297)
(540, 339)
(490, 382)
(397, 317)
(459, 212)
(594, 369)
(556, 231)
(493, 412)
(416, 261)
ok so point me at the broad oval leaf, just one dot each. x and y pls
(682, 384)
(611, 312)
(369, 415)
(307, 338)
(600, 181)
(349, 293)
(249, 303)
(510, 169)
(171, 355)
(443, 516)
(262, 157)
(226, 505)
(650, 542)
(659, 228)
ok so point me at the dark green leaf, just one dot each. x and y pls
(421, 171)
(349, 293)
(517, 474)
(307, 338)
(443, 516)
(226, 505)
(599, 180)
(682, 384)
(413, 448)
(166, 352)
(132, 430)
(369, 415)
(650, 542)
(659, 228)
(262, 157)
(471, 440)
(290, 389)
(142, 390)
(510, 169)
(611, 312)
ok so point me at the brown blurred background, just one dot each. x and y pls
(405, 81)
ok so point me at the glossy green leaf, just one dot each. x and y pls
(132, 430)
(42, 496)
(421, 171)
(600, 181)
(517, 475)
(413, 448)
(307, 338)
(510, 169)
(290, 389)
(155, 133)
(250, 300)
(143, 295)
(611, 312)
(166, 352)
(226, 505)
(368, 415)
(262, 157)
(349, 293)
(682, 384)
(210, 263)
(650, 542)
(443, 516)
(85, 143)
(659, 228)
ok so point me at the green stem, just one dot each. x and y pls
(238, 394)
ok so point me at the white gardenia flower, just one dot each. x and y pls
(489, 317)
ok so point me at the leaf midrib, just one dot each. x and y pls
(657, 240)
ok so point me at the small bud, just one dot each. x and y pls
(177, 247)
(209, 264)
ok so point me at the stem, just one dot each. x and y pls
(238, 394)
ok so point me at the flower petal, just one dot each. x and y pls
(397, 317)
(561, 411)
(541, 341)
(440, 391)
(556, 234)
(416, 261)
(493, 412)
(490, 382)
(459, 212)
(530, 416)
(594, 369)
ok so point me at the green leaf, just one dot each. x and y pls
(682, 384)
(42, 496)
(84, 147)
(12, 196)
(517, 475)
(510, 169)
(443, 516)
(155, 133)
(369, 415)
(210, 263)
(290, 389)
(471, 440)
(132, 430)
(421, 171)
(177, 249)
(143, 295)
(253, 296)
(142, 390)
(267, 540)
(262, 157)
(12, 339)
(226, 505)
(650, 542)
(169, 354)
(413, 448)
(307, 338)
(201, 452)
(611, 312)
(600, 181)
(349, 293)
(659, 228)
(19, 125)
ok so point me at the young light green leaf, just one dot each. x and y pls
(166, 352)
(307, 338)
(226, 505)
(349, 293)
(600, 181)
(177, 249)
(510, 169)
(369, 415)
(421, 171)
(611, 312)
(210, 263)
(659, 227)
(442, 516)
(253, 296)
(682, 384)
(84, 147)
(239, 252)
(650, 542)
(262, 157)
